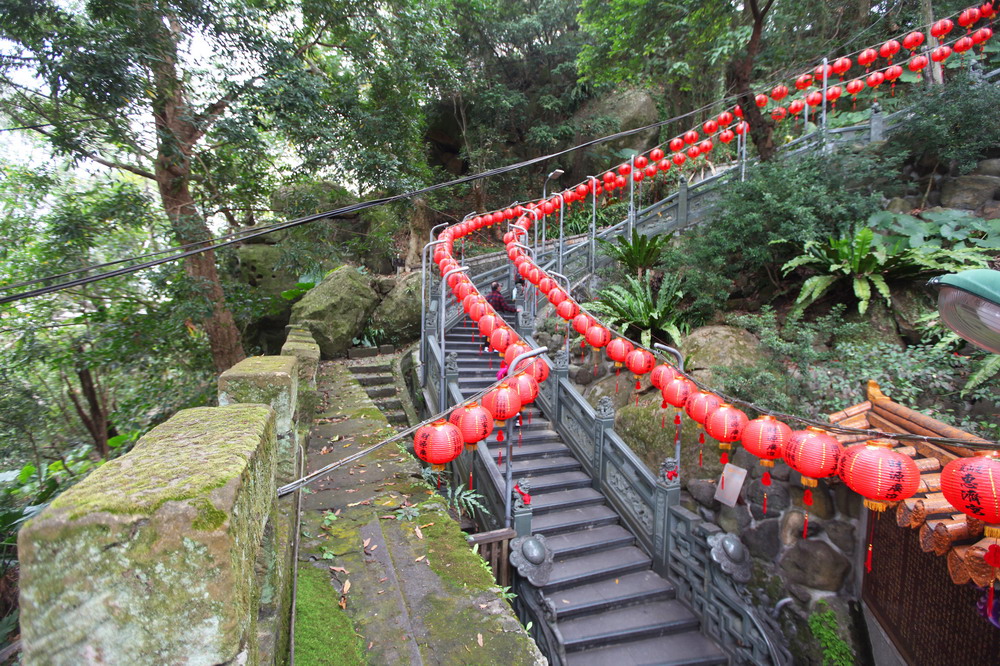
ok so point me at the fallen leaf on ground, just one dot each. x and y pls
(479, 639)
(388, 517)
(426, 525)
(420, 558)
(374, 547)
(370, 645)
(343, 603)
(347, 587)
(340, 570)
(380, 592)
(416, 530)
(365, 502)
(366, 542)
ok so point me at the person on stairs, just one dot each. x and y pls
(496, 299)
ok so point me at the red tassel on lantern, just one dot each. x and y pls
(763, 505)
(807, 497)
(805, 526)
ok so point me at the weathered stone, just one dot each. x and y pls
(259, 269)
(988, 168)
(305, 349)
(969, 192)
(607, 386)
(989, 210)
(734, 519)
(273, 381)
(640, 427)
(703, 491)
(399, 312)
(777, 498)
(822, 506)
(725, 346)
(151, 557)
(880, 322)
(910, 303)
(762, 539)
(900, 205)
(631, 108)
(362, 352)
(848, 502)
(842, 534)
(336, 310)
(815, 564)
(781, 471)
(706, 514)
(791, 527)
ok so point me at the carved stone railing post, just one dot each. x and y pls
(877, 123)
(522, 509)
(450, 376)
(682, 203)
(605, 417)
(560, 373)
(667, 494)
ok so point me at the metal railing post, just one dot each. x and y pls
(593, 225)
(422, 350)
(509, 476)
(823, 107)
(562, 207)
(631, 197)
(443, 388)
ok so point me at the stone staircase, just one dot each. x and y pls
(376, 377)
(609, 605)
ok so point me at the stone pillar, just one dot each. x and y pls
(605, 417)
(301, 345)
(877, 123)
(560, 372)
(268, 380)
(682, 203)
(151, 558)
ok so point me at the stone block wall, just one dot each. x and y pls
(179, 551)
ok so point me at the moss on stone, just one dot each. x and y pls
(324, 634)
(449, 553)
(214, 443)
(209, 517)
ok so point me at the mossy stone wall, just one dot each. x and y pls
(151, 559)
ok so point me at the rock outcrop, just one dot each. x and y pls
(336, 310)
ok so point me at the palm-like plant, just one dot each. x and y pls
(639, 253)
(867, 260)
(635, 305)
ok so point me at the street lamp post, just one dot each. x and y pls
(423, 309)
(556, 173)
(444, 283)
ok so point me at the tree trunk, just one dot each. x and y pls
(177, 132)
(738, 77)
(927, 17)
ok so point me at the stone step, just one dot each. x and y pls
(564, 499)
(568, 520)
(648, 620)
(529, 448)
(370, 368)
(590, 568)
(390, 404)
(628, 590)
(381, 391)
(540, 483)
(536, 432)
(688, 648)
(373, 380)
(588, 540)
(396, 418)
(534, 466)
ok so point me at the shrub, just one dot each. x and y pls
(650, 311)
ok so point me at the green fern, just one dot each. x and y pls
(638, 253)
(988, 369)
(634, 305)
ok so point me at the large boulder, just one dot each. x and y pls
(640, 427)
(630, 108)
(399, 312)
(969, 192)
(726, 346)
(815, 564)
(336, 310)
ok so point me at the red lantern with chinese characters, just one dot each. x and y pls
(568, 309)
(726, 135)
(691, 136)
(502, 402)
(655, 155)
(618, 349)
(677, 391)
(641, 162)
(917, 63)
(855, 86)
(624, 169)
(678, 159)
(867, 57)
(892, 73)
(639, 362)
(913, 40)
(489, 323)
(982, 35)
(661, 375)
(766, 437)
(526, 386)
(889, 49)
(875, 79)
(725, 424)
(438, 443)
(538, 368)
(474, 421)
(815, 98)
(972, 485)
(478, 309)
(840, 66)
(796, 106)
(942, 28)
(514, 350)
(833, 92)
(941, 53)
(803, 82)
(700, 404)
(968, 17)
(779, 113)
(879, 474)
(705, 147)
(598, 336)
(779, 92)
(676, 144)
(760, 100)
(664, 164)
(724, 118)
(693, 152)
(501, 338)
(964, 44)
(710, 127)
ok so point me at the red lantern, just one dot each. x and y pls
(982, 35)
(855, 86)
(478, 309)
(879, 474)
(779, 114)
(474, 421)
(941, 53)
(664, 164)
(624, 169)
(987, 10)
(710, 127)
(833, 92)
(502, 402)
(742, 127)
(725, 423)
(968, 17)
(568, 309)
(889, 49)
(779, 93)
(677, 391)
(501, 338)
(841, 65)
(693, 152)
(815, 98)
(438, 443)
(489, 323)
(582, 322)
(894, 72)
(812, 453)
(738, 111)
(620, 181)
(875, 79)
(676, 144)
(535, 275)
(796, 106)
(514, 349)
(867, 57)
(638, 175)
(691, 136)
(820, 72)
(609, 177)
(942, 28)
(766, 437)
(640, 162)
(913, 40)
(557, 296)
(964, 44)
(655, 155)
(705, 147)
(678, 159)
(972, 485)
(662, 375)
(760, 100)
(538, 368)
(546, 284)
(640, 361)
(598, 336)
(700, 404)
(526, 386)
(651, 170)
(803, 82)
(724, 118)
(726, 135)
(618, 349)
